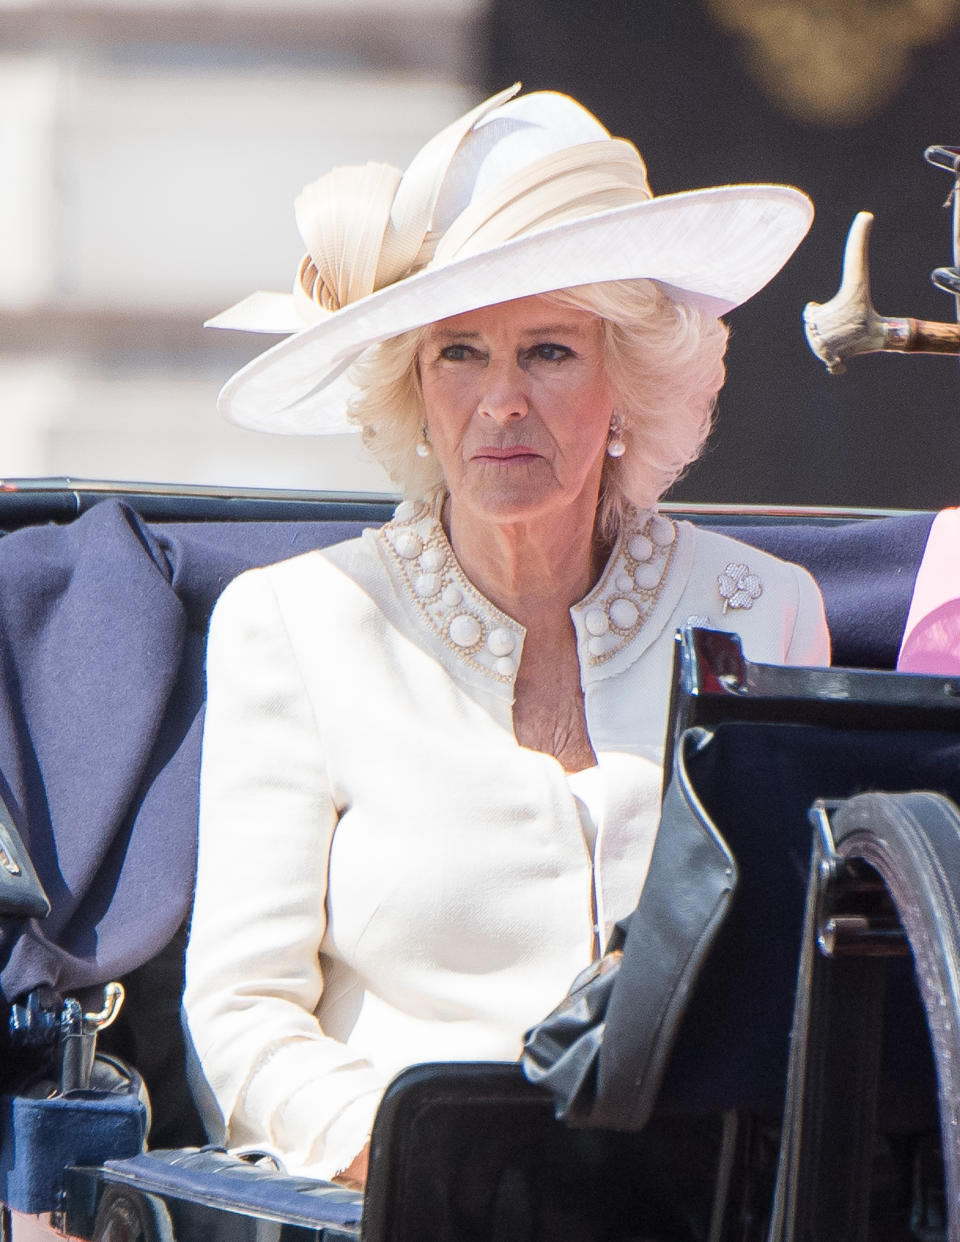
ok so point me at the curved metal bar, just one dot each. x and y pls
(113, 997)
(949, 158)
(944, 157)
(947, 278)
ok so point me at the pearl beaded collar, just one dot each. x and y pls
(477, 631)
(617, 608)
(485, 638)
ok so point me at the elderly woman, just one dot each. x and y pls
(432, 755)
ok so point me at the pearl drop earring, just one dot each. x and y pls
(423, 448)
(615, 446)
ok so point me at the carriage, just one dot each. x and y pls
(769, 1048)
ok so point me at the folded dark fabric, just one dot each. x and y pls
(102, 629)
(91, 636)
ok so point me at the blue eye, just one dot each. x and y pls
(548, 352)
(456, 353)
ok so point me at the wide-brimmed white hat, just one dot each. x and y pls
(518, 197)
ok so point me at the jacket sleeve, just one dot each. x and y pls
(809, 642)
(265, 1075)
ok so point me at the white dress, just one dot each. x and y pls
(385, 876)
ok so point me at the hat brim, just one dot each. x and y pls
(715, 247)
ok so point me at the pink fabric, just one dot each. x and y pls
(931, 638)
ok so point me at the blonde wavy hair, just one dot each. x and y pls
(664, 362)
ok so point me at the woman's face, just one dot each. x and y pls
(518, 408)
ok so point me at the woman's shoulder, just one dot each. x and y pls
(318, 561)
(317, 572)
(711, 546)
(760, 595)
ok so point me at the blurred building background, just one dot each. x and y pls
(150, 154)
(151, 150)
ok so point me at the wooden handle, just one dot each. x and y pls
(848, 324)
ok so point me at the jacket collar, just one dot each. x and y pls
(614, 623)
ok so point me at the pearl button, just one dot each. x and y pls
(640, 548)
(623, 614)
(432, 559)
(408, 544)
(501, 643)
(646, 577)
(596, 621)
(452, 595)
(465, 630)
(596, 646)
(662, 531)
(427, 585)
(505, 667)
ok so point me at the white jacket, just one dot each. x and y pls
(385, 876)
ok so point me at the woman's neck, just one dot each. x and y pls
(529, 570)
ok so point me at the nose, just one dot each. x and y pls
(503, 397)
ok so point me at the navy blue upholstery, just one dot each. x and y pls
(866, 571)
(39, 1138)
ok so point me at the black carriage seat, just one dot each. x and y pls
(102, 626)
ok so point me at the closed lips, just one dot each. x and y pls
(504, 454)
